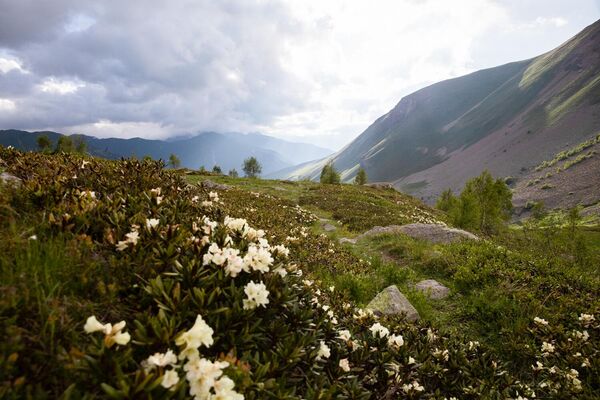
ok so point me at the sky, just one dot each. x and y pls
(317, 71)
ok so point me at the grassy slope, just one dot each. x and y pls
(52, 284)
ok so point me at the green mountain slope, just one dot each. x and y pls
(506, 119)
(228, 150)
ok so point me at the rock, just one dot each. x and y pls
(347, 240)
(433, 289)
(208, 184)
(9, 179)
(329, 228)
(380, 185)
(436, 233)
(391, 301)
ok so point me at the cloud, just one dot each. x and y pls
(283, 67)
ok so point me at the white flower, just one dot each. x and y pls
(281, 250)
(540, 321)
(547, 347)
(88, 194)
(281, 271)
(224, 390)
(152, 223)
(344, 334)
(396, 341)
(258, 258)
(112, 333)
(199, 334)
(238, 225)
(257, 294)
(202, 375)
(84, 163)
(586, 319)
(324, 351)
(161, 359)
(379, 330)
(411, 360)
(412, 386)
(32, 237)
(170, 379)
(214, 196)
(130, 238)
(344, 365)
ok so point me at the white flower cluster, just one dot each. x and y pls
(130, 238)
(156, 193)
(257, 294)
(112, 333)
(412, 387)
(586, 319)
(540, 321)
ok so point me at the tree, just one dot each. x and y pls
(43, 143)
(252, 167)
(484, 204)
(217, 170)
(174, 161)
(361, 177)
(80, 145)
(233, 173)
(64, 144)
(329, 174)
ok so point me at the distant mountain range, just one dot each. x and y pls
(228, 150)
(506, 119)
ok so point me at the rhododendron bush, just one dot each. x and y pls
(178, 296)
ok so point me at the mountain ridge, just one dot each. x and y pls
(506, 119)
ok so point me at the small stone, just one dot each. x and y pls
(391, 301)
(347, 240)
(433, 289)
(208, 184)
(329, 228)
(9, 179)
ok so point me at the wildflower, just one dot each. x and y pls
(538, 366)
(331, 289)
(224, 390)
(258, 258)
(379, 330)
(84, 163)
(236, 224)
(160, 360)
(411, 360)
(344, 365)
(473, 344)
(344, 334)
(547, 347)
(430, 335)
(130, 238)
(88, 194)
(412, 386)
(152, 223)
(324, 351)
(32, 237)
(540, 321)
(112, 334)
(586, 319)
(257, 295)
(281, 271)
(396, 341)
(281, 250)
(199, 334)
(170, 379)
(442, 354)
(584, 336)
(202, 376)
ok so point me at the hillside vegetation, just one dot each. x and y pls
(237, 292)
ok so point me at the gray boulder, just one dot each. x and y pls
(433, 289)
(435, 233)
(347, 240)
(208, 184)
(9, 179)
(391, 301)
(329, 227)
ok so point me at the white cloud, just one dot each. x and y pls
(9, 64)
(552, 21)
(7, 105)
(56, 86)
(106, 129)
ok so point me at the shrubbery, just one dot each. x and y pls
(211, 306)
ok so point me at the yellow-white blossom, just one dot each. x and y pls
(112, 333)
(396, 341)
(586, 319)
(152, 223)
(170, 379)
(344, 365)
(379, 330)
(199, 334)
(324, 351)
(540, 321)
(257, 294)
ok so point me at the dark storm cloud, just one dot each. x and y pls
(188, 65)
